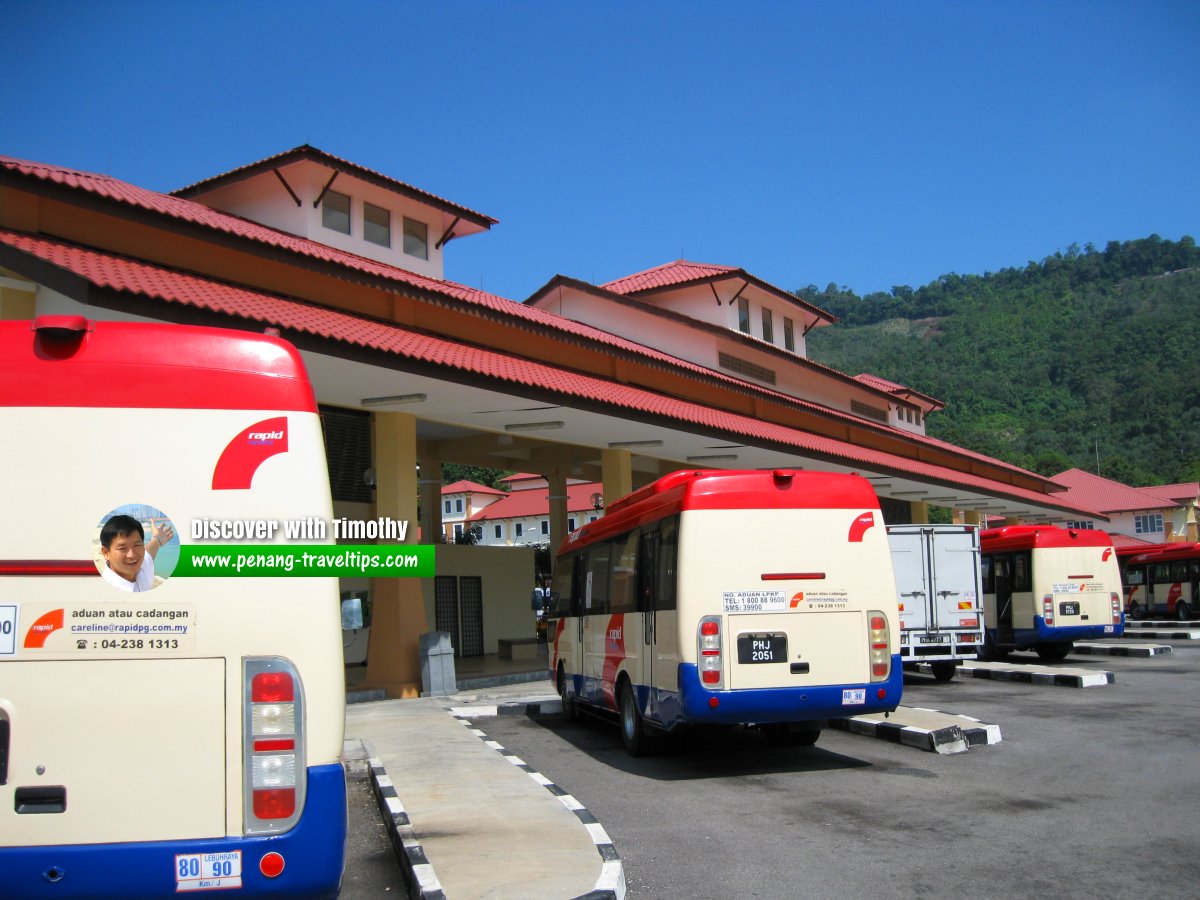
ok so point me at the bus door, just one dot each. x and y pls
(647, 605)
(1004, 598)
(593, 621)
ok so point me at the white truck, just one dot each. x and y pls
(940, 595)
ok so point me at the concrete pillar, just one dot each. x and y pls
(430, 489)
(919, 512)
(398, 617)
(617, 467)
(557, 481)
(16, 302)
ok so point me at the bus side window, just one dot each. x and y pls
(1161, 573)
(647, 571)
(595, 592)
(623, 595)
(668, 554)
(561, 588)
(1135, 575)
(1021, 580)
(1179, 570)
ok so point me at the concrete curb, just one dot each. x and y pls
(1138, 650)
(1167, 632)
(1024, 675)
(611, 883)
(948, 739)
(415, 866)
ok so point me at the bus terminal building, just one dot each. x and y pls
(684, 365)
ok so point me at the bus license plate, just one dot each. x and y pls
(1068, 608)
(762, 648)
(934, 639)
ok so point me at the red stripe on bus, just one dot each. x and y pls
(793, 576)
(52, 567)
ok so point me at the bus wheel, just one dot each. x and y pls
(569, 708)
(1054, 652)
(943, 670)
(1136, 611)
(633, 730)
(1181, 611)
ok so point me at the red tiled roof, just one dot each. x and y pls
(680, 272)
(1185, 492)
(1093, 492)
(141, 279)
(470, 487)
(900, 390)
(519, 504)
(306, 151)
(196, 213)
(1124, 541)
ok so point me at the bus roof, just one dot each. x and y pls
(74, 361)
(690, 489)
(1166, 552)
(1028, 537)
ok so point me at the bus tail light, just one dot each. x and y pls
(709, 658)
(880, 643)
(273, 767)
(1048, 609)
(1116, 608)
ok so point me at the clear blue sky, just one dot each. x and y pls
(869, 144)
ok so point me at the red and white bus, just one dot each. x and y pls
(763, 598)
(173, 734)
(1046, 587)
(1162, 580)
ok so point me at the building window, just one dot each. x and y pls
(868, 412)
(519, 529)
(768, 326)
(571, 524)
(458, 507)
(416, 238)
(745, 367)
(458, 531)
(1082, 526)
(447, 507)
(1148, 523)
(545, 526)
(335, 212)
(789, 334)
(499, 531)
(377, 225)
(743, 315)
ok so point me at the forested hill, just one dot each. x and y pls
(1087, 353)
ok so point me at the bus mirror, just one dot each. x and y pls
(355, 612)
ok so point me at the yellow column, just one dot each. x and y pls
(398, 608)
(617, 468)
(920, 512)
(16, 303)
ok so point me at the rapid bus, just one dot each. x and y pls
(1046, 587)
(178, 734)
(761, 598)
(1162, 580)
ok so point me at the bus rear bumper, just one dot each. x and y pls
(785, 704)
(314, 853)
(1041, 632)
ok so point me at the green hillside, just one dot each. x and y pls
(1087, 353)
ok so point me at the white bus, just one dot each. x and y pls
(1046, 587)
(159, 734)
(763, 598)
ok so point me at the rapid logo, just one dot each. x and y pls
(859, 527)
(245, 453)
(46, 625)
(614, 652)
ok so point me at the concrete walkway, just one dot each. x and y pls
(470, 820)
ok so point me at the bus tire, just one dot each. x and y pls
(1054, 652)
(633, 730)
(943, 670)
(1181, 611)
(1137, 611)
(569, 707)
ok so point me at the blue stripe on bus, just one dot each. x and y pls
(783, 704)
(314, 852)
(1042, 633)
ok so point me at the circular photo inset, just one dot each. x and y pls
(134, 547)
